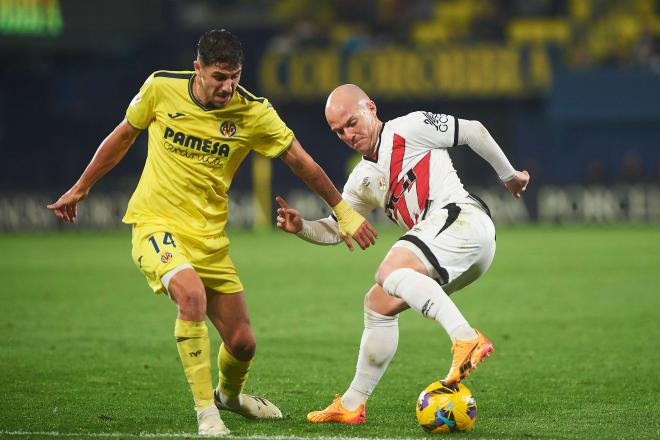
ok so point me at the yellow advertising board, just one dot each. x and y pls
(484, 71)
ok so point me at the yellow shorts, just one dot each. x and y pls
(157, 251)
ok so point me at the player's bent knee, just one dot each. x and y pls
(386, 269)
(383, 272)
(396, 278)
(381, 302)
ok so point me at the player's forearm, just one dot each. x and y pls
(319, 182)
(323, 232)
(474, 134)
(311, 173)
(110, 152)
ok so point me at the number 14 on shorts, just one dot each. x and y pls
(167, 241)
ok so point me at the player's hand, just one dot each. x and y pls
(352, 224)
(365, 236)
(288, 219)
(66, 207)
(518, 184)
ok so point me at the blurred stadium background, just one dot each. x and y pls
(569, 88)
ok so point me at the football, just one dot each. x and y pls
(446, 408)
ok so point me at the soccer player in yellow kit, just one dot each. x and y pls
(201, 126)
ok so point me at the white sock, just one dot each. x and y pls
(463, 333)
(426, 296)
(377, 347)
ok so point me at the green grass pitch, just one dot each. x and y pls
(574, 314)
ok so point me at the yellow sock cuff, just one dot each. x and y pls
(233, 373)
(190, 329)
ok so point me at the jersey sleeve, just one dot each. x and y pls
(353, 193)
(475, 135)
(273, 137)
(434, 130)
(323, 231)
(141, 110)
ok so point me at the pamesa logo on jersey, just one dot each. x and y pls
(209, 146)
(228, 129)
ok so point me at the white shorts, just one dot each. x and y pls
(455, 243)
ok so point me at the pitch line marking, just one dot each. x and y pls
(184, 435)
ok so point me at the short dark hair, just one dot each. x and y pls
(219, 46)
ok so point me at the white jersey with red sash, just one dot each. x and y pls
(410, 173)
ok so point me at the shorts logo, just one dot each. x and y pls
(365, 181)
(228, 129)
(166, 257)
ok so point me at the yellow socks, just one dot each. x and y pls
(192, 342)
(233, 373)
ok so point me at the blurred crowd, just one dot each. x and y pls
(588, 33)
(630, 171)
(601, 112)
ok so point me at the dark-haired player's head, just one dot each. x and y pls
(218, 66)
(219, 46)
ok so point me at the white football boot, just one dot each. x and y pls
(250, 407)
(210, 424)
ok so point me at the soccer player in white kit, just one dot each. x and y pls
(450, 238)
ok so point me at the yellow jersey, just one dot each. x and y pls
(194, 151)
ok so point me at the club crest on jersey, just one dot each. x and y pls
(166, 257)
(228, 129)
(382, 183)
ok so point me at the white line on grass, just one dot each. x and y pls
(183, 435)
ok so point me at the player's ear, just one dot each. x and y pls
(372, 107)
(198, 66)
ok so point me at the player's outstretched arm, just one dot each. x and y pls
(351, 223)
(110, 152)
(474, 134)
(323, 231)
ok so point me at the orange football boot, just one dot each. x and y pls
(467, 355)
(337, 413)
